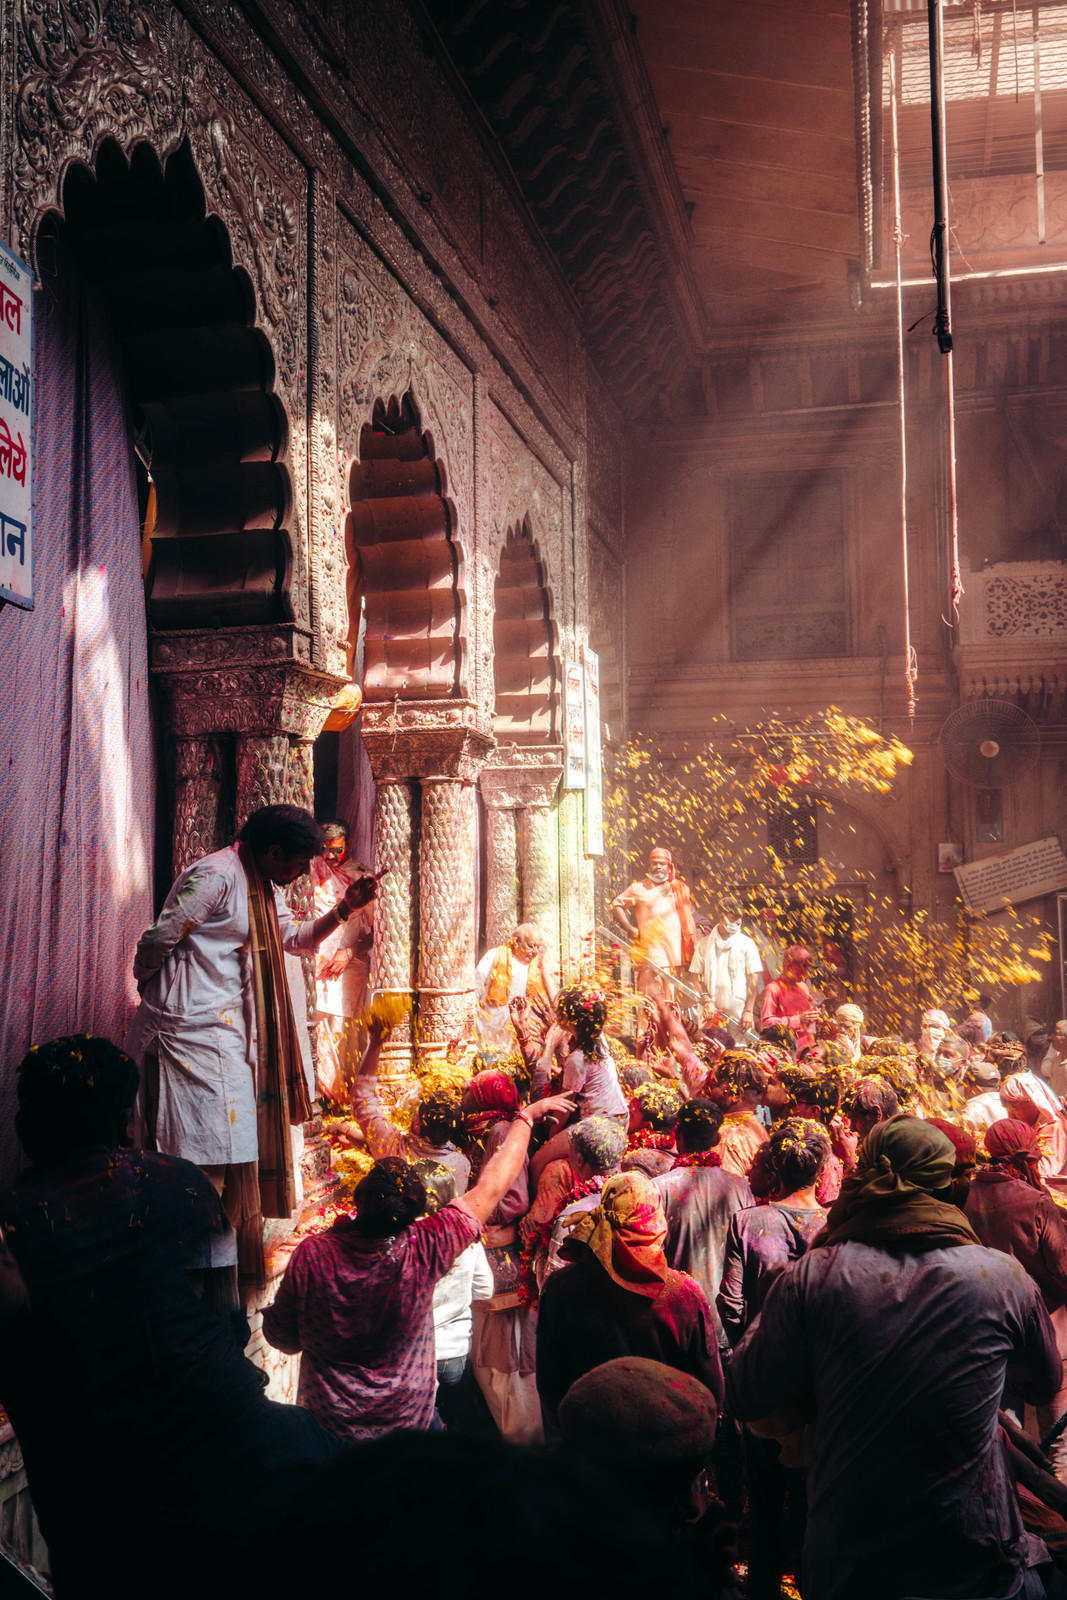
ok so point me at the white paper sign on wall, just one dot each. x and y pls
(16, 430)
(574, 726)
(1013, 875)
(594, 767)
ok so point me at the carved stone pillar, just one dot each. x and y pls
(262, 772)
(300, 778)
(501, 874)
(446, 912)
(519, 786)
(198, 768)
(395, 906)
(539, 873)
(426, 925)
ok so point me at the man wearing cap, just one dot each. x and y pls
(663, 913)
(729, 967)
(981, 1086)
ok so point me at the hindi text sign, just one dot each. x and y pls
(1014, 875)
(594, 770)
(16, 430)
(574, 726)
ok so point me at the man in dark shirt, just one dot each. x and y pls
(700, 1201)
(133, 1403)
(618, 1297)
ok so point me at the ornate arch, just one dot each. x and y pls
(404, 562)
(199, 375)
(138, 74)
(524, 656)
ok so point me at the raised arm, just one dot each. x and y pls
(383, 1136)
(679, 1043)
(504, 1166)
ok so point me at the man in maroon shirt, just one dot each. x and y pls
(357, 1300)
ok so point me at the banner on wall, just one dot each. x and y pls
(594, 769)
(574, 726)
(1012, 876)
(16, 430)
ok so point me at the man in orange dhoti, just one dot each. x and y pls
(665, 930)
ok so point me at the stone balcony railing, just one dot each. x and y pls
(1013, 632)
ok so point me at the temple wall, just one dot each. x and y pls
(388, 259)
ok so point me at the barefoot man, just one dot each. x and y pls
(664, 929)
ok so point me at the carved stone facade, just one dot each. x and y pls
(388, 261)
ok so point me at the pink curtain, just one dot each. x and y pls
(77, 769)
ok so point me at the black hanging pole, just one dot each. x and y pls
(939, 237)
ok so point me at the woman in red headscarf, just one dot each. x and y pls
(1010, 1209)
(618, 1297)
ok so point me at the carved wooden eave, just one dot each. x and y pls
(624, 74)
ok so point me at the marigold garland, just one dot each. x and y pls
(649, 1139)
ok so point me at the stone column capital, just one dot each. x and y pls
(516, 777)
(247, 680)
(425, 739)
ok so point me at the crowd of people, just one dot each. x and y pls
(710, 1309)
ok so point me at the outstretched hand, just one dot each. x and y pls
(557, 1105)
(360, 893)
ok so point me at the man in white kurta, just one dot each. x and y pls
(196, 1012)
(729, 968)
(196, 1024)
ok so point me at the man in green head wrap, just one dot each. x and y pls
(900, 1190)
(891, 1339)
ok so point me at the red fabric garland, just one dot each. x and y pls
(699, 1158)
(541, 1237)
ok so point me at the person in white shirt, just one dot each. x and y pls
(469, 1278)
(505, 973)
(981, 1086)
(342, 965)
(221, 1033)
(1054, 1061)
(729, 967)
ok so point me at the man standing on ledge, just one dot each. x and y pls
(665, 927)
(222, 1039)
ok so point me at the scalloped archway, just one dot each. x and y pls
(524, 663)
(403, 562)
(198, 373)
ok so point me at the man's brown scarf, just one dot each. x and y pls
(267, 1188)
